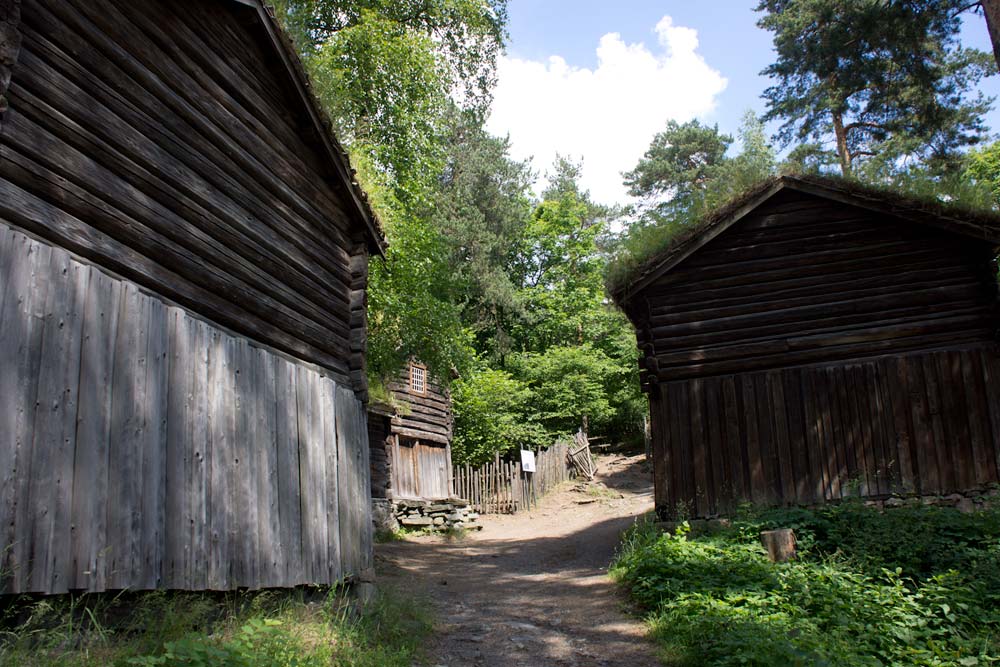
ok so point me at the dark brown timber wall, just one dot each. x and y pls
(816, 350)
(142, 447)
(165, 140)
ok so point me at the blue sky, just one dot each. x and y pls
(564, 106)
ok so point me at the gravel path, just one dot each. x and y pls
(532, 589)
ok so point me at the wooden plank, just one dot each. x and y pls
(783, 449)
(244, 487)
(860, 395)
(700, 456)
(833, 454)
(985, 469)
(22, 325)
(333, 493)
(720, 488)
(956, 417)
(292, 533)
(128, 433)
(896, 393)
(990, 369)
(755, 459)
(200, 463)
(93, 432)
(932, 383)
(734, 446)
(219, 448)
(307, 471)
(154, 444)
(814, 441)
(768, 441)
(887, 470)
(799, 451)
(51, 485)
(266, 461)
(178, 528)
(923, 441)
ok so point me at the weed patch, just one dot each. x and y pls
(910, 586)
(298, 628)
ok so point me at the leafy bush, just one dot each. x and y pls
(492, 414)
(912, 586)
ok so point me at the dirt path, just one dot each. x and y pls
(532, 589)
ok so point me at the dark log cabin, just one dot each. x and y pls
(817, 340)
(411, 439)
(183, 271)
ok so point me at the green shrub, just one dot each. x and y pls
(914, 586)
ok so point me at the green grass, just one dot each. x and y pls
(911, 586)
(297, 628)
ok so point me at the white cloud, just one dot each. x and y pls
(607, 115)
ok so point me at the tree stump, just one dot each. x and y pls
(780, 544)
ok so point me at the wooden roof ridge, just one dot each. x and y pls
(982, 225)
(339, 157)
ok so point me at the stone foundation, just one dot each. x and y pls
(384, 516)
(436, 515)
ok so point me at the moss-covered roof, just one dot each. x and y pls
(954, 216)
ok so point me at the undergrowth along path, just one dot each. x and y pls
(532, 589)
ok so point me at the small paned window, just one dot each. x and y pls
(418, 379)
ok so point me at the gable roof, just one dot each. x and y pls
(341, 162)
(979, 224)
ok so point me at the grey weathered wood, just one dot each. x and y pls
(154, 449)
(128, 428)
(334, 558)
(199, 465)
(178, 524)
(89, 518)
(140, 445)
(291, 569)
(50, 487)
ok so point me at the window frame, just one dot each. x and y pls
(423, 378)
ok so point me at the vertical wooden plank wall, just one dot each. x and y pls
(141, 447)
(925, 423)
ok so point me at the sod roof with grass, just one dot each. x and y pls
(630, 275)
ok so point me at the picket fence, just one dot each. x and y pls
(502, 487)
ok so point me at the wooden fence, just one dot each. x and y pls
(501, 487)
(142, 447)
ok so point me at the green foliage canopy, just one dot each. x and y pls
(884, 83)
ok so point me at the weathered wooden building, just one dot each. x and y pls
(817, 340)
(183, 269)
(411, 439)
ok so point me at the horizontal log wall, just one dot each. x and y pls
(802, 280)
(165, 141)
(142, 447)
(426, 416)
(919, 424)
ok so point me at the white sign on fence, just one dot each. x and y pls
(527, 460)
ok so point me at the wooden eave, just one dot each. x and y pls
(899, 207)
(338, 157)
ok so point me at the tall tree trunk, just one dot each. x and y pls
(842, 152)
(991, 9)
